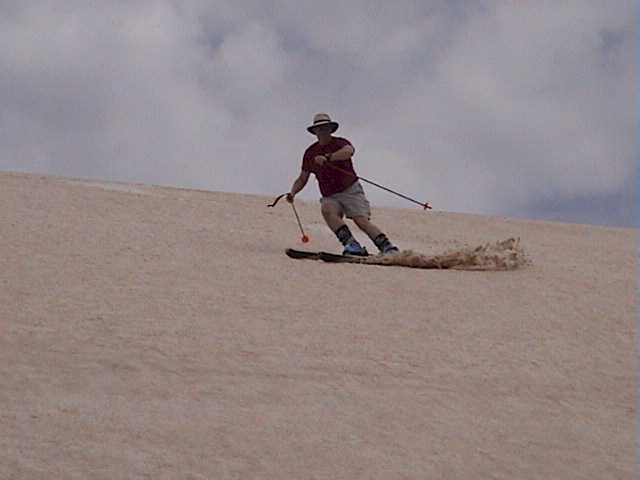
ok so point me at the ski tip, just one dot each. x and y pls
(293, 253)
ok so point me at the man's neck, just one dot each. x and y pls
(325, 141)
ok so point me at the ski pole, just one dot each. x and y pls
(275, 202)
(425, 205)
(305, 238)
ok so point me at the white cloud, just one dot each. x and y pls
(484, 107)
(536, 78)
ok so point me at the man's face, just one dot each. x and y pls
(322, 131)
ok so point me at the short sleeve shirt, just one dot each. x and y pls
(329, 179)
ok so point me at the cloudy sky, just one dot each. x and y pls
(519, 108)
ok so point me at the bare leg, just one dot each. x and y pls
(367, 227)
(332, 214)
(379, 239)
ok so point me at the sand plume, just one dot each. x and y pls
(502, 255)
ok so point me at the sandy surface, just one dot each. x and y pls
(160, 333)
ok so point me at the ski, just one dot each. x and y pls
(381, 260)
(337, 258)
(325, 256)
(302, 254)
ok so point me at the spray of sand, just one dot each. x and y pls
(504, 255)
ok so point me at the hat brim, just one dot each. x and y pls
(312, 128)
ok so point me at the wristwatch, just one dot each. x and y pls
(327, 156)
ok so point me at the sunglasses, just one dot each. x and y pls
(323, 128)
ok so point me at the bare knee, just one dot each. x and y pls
(330, 209)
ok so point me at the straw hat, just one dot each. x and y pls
(320, 119)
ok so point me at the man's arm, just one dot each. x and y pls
(298, 185)
(344, 153)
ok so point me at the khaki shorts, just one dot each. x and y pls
(351, 201)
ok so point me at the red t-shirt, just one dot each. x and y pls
(329, 179)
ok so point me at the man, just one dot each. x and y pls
(329, 159)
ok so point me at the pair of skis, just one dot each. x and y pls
(324, 256)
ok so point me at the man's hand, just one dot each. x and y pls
(320, 159)
(290, 197)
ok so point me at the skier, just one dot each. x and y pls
(329, 159)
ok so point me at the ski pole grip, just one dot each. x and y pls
(275, 202)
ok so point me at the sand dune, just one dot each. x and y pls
(150, 332)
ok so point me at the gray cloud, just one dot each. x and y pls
(491, 107)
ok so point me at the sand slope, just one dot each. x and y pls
(160, 333)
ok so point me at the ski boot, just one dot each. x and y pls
(384, 245)
(353, 248)
(390, 249)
